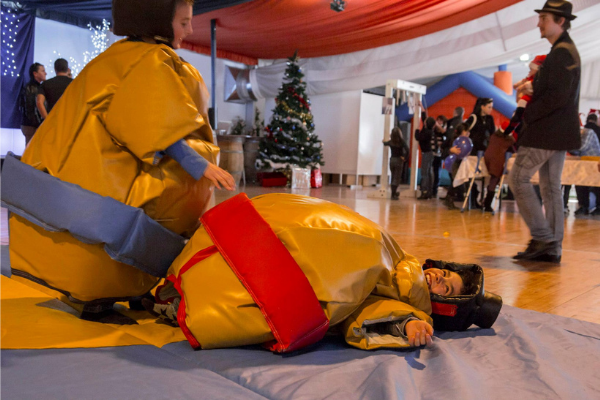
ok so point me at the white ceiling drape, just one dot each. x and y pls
(494, 39)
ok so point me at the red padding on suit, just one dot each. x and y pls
(269, 273)
(181, 313)
(448, 310)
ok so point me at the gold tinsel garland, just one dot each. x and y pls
(306, 117)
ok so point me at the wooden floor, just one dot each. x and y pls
(571, 289)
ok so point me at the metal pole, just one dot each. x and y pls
(213, 67)
(387, 127)
(414, 164)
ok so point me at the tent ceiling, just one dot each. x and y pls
(274, 29)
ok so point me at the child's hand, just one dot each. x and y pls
(419, 333)
(219, 176)
(455, 150)
(527, 88)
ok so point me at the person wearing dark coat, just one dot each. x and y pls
(399, 156)
(481, 125)
(551, 128)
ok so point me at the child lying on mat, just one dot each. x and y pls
(442, 282)
(226, 288)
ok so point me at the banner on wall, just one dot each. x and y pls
(18, 31)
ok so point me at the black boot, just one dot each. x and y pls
(395, 194)
(487, 203)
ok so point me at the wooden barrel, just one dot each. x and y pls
(232, 155)
(250, 153)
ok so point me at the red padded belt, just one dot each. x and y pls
(269, 273)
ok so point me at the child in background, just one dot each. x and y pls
(397, 159)
(524, 92)
(454, 193)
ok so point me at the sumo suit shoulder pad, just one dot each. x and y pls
(129, 236)
(152, 108)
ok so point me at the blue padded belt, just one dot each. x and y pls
(192, 162)
(129, 236)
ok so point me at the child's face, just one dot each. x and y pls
(533, 71)
(443, 282)
(182, 24)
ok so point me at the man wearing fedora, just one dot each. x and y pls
(551, 128)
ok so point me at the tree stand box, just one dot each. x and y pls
(270, 179)
(300, 178)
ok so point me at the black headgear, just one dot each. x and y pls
(458, 313)
(151, 18)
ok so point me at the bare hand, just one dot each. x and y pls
(419, 333)
(455, 150)
(219, 177)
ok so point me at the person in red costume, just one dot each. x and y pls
(524, 90)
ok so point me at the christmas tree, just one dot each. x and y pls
(290, 139)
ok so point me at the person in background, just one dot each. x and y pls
(427, 144)
(482, 126)
(524, 91)
(30, 117)
(592, 123)
(69, 73)
(551, 128)
(494, 160)
(456, 120)
(399, 155)
(454, 193)
(590, 146)
(51, 90)
(439, 131)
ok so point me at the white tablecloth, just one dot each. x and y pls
(575, 172)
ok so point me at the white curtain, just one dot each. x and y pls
(494, 39)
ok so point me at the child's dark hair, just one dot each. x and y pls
(462, 127)
(468, 279)
(443, 119)
(429, 122)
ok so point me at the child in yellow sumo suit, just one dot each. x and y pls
(131, 127)
(223, 288)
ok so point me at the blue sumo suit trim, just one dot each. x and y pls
(128, 234)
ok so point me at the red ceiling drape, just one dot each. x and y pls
(272, 29)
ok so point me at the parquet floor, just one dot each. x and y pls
(571, 289)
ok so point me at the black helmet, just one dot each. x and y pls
(151, 18)
(458, 313)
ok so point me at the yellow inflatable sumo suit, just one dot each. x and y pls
(106, 135)
(357, 271)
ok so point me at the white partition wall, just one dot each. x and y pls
(337, 121)
(370, 135)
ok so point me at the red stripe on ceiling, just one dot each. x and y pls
(273, 29)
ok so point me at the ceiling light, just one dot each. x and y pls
(524, 57)
(338, 5)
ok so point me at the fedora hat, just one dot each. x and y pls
(560, 8)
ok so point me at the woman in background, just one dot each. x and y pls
(397, 159)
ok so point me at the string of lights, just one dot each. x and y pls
(10, 24)
(100, 41)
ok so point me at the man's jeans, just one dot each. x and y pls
(427, 173)
(550, 164)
